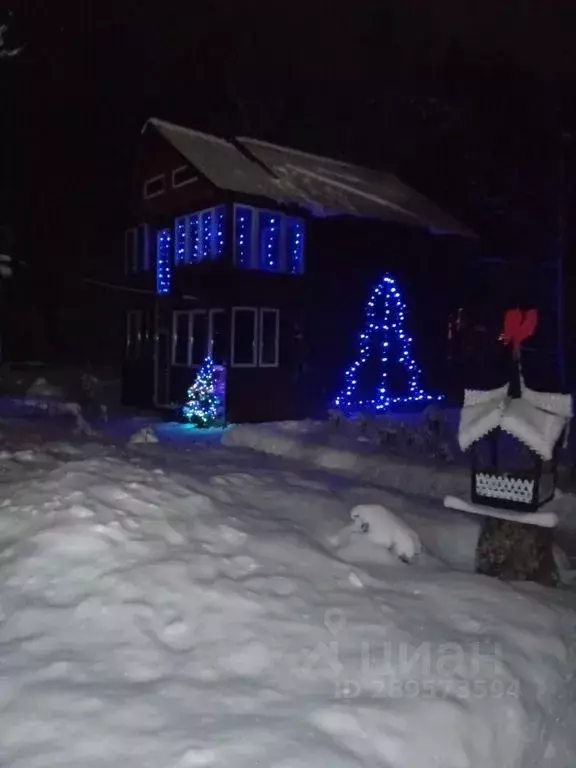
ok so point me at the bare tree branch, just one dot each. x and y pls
(6, 52)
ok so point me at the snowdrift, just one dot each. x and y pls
(311, 442)
(150, 621)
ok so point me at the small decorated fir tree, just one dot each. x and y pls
(202, 403)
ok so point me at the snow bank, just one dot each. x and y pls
(157, 622)
(295, 440)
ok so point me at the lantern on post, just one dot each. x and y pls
(513, 433)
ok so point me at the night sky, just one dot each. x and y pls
(465, 101)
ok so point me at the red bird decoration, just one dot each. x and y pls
(519, 326)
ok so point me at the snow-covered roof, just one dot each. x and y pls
(537, 419)
(219, 160)
(323, 186)
(335, 187)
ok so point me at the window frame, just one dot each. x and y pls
(176, 314)
(302, 221)
(164, 282)
(211, 314)
(193, 314)
(184, 260)
(136, 343)
(255, 313)
(175, 184)
(281, 242)
(235, 261)
(160, 177)
(145, 263)
(276, 363)
(213, 254)
(254, 261)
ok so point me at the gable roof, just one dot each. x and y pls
(536, 419)
(323, 186)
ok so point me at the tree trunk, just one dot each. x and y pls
(516, 552)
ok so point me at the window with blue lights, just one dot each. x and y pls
(243, 236)
(207, 230)
(269, 241)
(200, 236)
(180, 246)
(163, 259)
(269, 257)
(294, 245)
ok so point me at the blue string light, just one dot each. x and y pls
(384, 323)
(243, 230)
(295, 246)
(279, 244)
(269, 225)
(181, 240)
(163, 270)
(220, 242)
(206, 223)
(193, 255)
(202, 402)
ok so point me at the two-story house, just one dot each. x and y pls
(220, 256)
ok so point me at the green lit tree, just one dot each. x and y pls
(202, 404)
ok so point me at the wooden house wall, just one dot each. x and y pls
(258, 393)
(321, 313)
(346, 258)
(155, 157)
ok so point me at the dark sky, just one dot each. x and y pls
(462, 99)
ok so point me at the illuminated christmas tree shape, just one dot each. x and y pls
(202, 403)
(383, 331)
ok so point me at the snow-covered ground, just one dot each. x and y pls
(178, 604)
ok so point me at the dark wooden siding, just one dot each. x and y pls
(156, 156)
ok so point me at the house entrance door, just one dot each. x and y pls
(162, 348)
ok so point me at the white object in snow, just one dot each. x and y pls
(41, 388)
(5, 265)
(74, 409)
(145, 435)
(383, 527)
(541, 519)
(537, 419)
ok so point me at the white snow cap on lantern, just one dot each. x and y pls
(537, 419)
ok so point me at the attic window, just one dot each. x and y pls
(154, 187)
(183, 175)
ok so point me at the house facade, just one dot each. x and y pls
(222, 256)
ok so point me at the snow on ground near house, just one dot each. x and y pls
(171, 607)
(347, 450)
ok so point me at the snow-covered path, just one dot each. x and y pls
(171, 608)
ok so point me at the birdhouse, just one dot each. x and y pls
(513, 441)
(513, 434)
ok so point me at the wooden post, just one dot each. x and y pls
(560, 260)
(516, 552)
